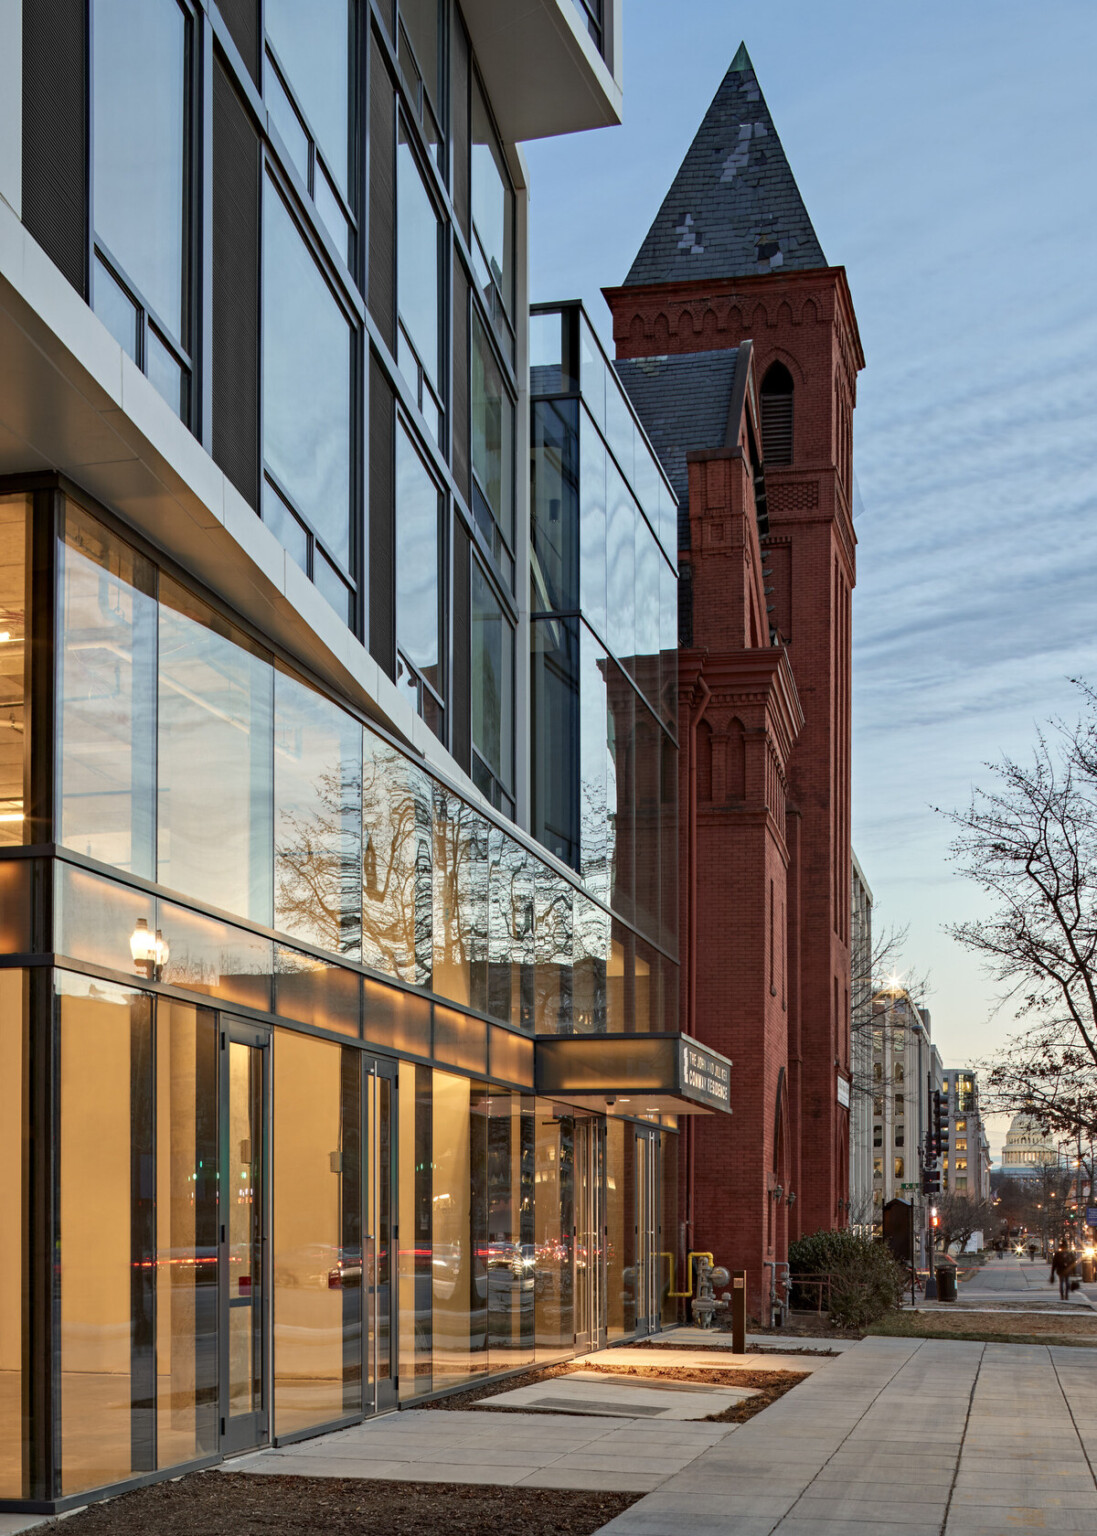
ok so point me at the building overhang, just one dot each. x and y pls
(637, 1075)
(542, 72)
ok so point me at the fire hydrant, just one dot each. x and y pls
(705, 1305)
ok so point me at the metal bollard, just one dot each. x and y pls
(739, 1311)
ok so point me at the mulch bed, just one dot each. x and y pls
(755, 1349)
(992, 1327)
(214, 1503)
(769, 1386)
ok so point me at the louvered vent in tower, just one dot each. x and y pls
(777, 415)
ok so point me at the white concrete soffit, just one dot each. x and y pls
(542, 72)
(72, 401)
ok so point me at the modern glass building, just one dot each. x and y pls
(331, 1076)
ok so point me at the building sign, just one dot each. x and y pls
(843, 1092)
(705, 1076)
(1091, 1215)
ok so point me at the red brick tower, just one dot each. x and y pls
(740, 350)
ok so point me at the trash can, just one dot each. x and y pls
(1089, 1271)
(946, 1282)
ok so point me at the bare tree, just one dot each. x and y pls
(960, 1217)
(1030, 843)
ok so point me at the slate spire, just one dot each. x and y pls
(734, 209)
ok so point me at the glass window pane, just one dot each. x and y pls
(492, 680)
(555, 677)
(207, 955)
(591, 955)
(317, 818)
(104, 1153)
(315, 992)
(546, 354)
(397, 900)
(186, 1232)
(555, 495)
(285, 120)
(14, 1130)
(668, 645)
(492, 200)
(554, 1215)
(285, 527)
(511, 951)
(620, 1229)
(492, 432)
(317, 1234)
(139, 51)
(96, 918)
(594, 820)
(418, 257)
(306, 381)
(331, 211)
(460, 1041)
(106, 696)
(554, 953)
(115, 308)
(398, 1019)
(14, 515)
(166, 373)
(620, 568)
(511, 1278)
(592, 374)
(649, 558)
(620, 792)
(458, 918)
(313, 44)
(459, 1279)
(415, 1256)
(214, 835)
(592, 524)
(421, 18)
(418, 611)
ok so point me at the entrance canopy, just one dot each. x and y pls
(641, 1075)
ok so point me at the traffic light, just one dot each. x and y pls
(934, 1219)
(931, 1181)
(939, 1122)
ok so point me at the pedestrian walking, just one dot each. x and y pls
(1032, 1253)
(1062, 1265)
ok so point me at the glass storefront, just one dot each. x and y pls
(273, 1001)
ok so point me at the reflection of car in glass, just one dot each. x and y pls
(307, 1266)
(510, 1264)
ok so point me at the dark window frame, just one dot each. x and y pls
(418, 98)
(184, 348)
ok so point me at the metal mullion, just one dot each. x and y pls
(349, 300)
(201, 413)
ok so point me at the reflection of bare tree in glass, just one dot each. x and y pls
(554, 947)
(396, 865)
(317, 895)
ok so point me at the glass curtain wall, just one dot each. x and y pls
(604, 660)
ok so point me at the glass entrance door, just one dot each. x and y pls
(243, 1248)
(588, 1247)
(647, 1231)
(379, 1249)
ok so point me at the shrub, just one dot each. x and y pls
(865, 1281)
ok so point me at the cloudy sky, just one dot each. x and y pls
(947, 154)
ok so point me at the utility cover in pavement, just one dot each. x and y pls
(621, 1397)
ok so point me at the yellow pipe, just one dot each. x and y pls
(689, 1270)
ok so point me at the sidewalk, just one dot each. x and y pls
(902, 1437)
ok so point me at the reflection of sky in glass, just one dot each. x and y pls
(306, 381)
(312, 43)
(620, 566)
(137, 133)
(417, 259)
(416, 558)
(492, 662)
(490, 199)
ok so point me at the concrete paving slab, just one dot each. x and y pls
(707, 1338)
(10, 1525)
(619, 1395)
